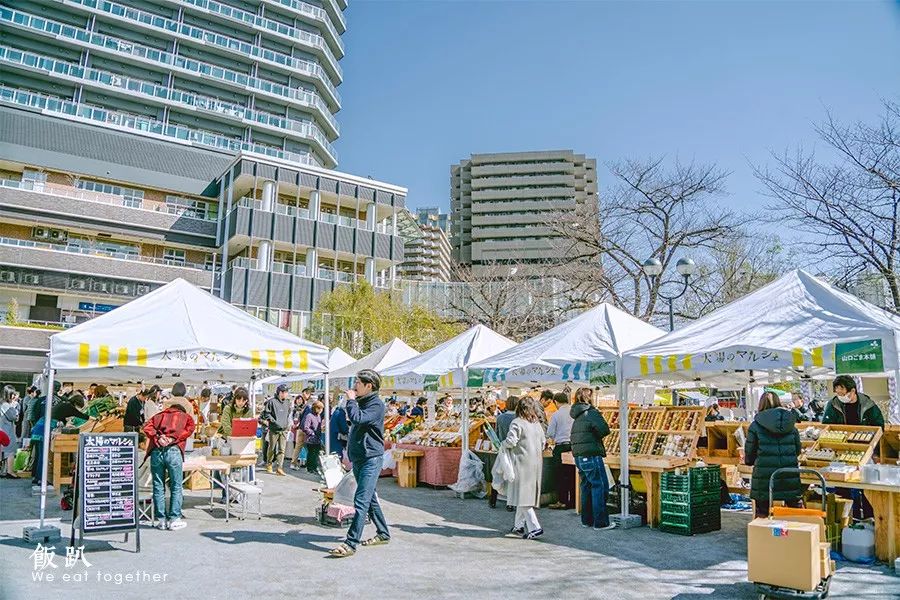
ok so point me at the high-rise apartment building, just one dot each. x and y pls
(140, 144)
(434, 217)
(501, 204)
(426, 249)
(257, 75)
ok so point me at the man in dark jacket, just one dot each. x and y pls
(851, 407)
(588, 430)
(68, 407)
(134, 411)
(338, 431)
(277, 416)
(365, 411)
(773, 442)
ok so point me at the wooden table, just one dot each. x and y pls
(63, 453)
(408, 467)
(650, 469)
(206, 467)
(885, 501)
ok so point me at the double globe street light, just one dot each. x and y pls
(685, 267)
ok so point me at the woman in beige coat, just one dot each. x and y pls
(525, 446)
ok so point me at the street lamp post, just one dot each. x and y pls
(685, 267)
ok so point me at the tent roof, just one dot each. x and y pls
(338, 359)
(467, 348)
(599, 334)
(392, 353)
(789, 326)
(181, 331)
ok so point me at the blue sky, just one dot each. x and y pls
(429, 82)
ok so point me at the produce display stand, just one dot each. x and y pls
(850, 444)
(889, 449)
(440, 446)
(64, 447)
(666, 434)
(721, 445)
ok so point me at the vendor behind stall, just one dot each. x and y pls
(850, 406)
(69, 407)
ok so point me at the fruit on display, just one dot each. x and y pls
(611, 442)
(810, 433)
(680, 420)
(675, 445)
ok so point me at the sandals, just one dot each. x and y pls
(342, 551)
(378, 540)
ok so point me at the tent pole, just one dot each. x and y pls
(45, 443)
(624, 477)
(465, 410)
(252, 393)
(327, 416)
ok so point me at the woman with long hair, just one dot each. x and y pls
(773, 443)
(525, 445)
(9, 415)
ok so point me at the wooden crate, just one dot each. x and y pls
(196, 481)
(889, 448)
(866, 448)
(408, 467)
(651, 428)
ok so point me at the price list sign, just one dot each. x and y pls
(108, 479)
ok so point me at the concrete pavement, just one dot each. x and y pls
(442, 547)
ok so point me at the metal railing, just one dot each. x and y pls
(73, 249)
(159, 56)
(216, 39)
(145, 124)
(318, 14)
(54, 189)
(303, 213)
(159, 92)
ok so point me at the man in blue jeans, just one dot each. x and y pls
(588, 430)
(365, 448)
(166, 434)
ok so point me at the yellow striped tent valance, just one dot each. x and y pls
(386, 382)
(103, 355)
(672, 363)
(446, 381)
(280, 360)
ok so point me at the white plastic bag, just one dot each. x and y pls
(471, 475)
(502, 473)
(345, 490)
(388, 462)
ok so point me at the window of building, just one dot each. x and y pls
(197, 209)
(131, 197)
(173, 256)
(32, 176)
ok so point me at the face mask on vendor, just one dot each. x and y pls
(844, 395)
(845, 399)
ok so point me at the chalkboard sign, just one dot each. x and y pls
(107, 481)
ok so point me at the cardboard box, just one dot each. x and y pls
(784, 553)
(242, 445)
(196, 481)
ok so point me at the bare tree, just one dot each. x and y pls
(653, 211)
(847, 208)
(511, 299)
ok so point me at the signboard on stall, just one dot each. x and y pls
(91, 307)
(866, 356)
(108, 483)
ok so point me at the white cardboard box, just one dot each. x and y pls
(242, 445)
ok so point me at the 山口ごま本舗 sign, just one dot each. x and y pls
(865, 356)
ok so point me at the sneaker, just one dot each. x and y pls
(293, 467)
(269, 469)
(177, 524)
(585, 525)
(279, 471)
(610, 526)
(518, 530)
(162, 525)
(533, 534)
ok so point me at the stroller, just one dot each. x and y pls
(336, 507)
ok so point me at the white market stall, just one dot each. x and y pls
(393, 353)
(175, 332)
(587, 348)
(436, 367)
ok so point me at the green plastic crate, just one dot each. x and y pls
(698, 479)
(691, 498)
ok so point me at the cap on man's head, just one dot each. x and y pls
(282, 387)
(371, 377)
(310, 388)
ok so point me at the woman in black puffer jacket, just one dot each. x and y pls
(773, 442)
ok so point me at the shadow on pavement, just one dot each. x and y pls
(294, 538)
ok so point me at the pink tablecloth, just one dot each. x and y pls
(439, 466)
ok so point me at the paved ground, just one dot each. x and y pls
(443, 547)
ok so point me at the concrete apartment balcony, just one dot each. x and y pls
(523, 169)
(557, 193)
(71, 259)
(24, 349)
(518, 205)
(532, 217)
(523, 181)
(52, 203)
(489, 233)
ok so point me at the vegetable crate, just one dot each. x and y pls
(697, 480)
(698, 520)
(685, 501)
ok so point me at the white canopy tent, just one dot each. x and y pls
(796, 327)
(175, 332)
(568, 352)
(439, 364)
(789, 329)
(586, 348)
(393, 353)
